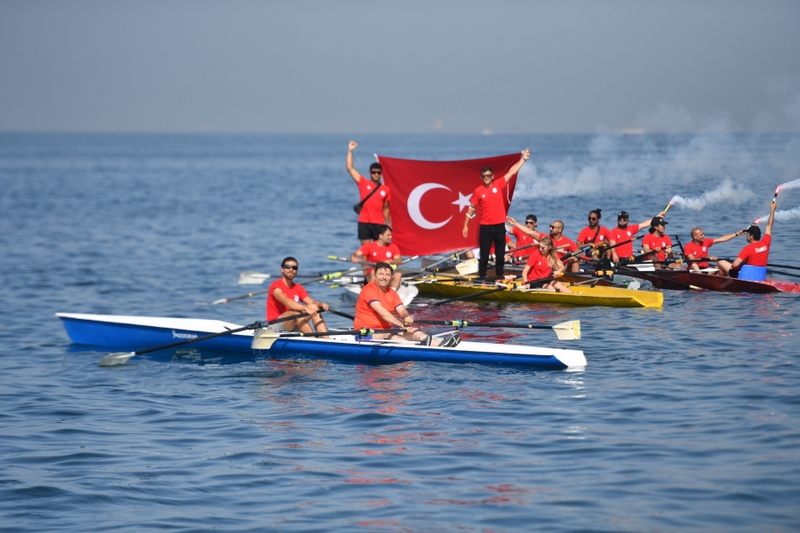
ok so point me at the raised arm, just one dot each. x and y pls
(351, 146)
(772, 208)
(526, 154)
(726, 238)
(523, 229)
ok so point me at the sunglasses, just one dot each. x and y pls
(592, 219)
(487, 175)
(289, 267)
(375, 171)
(554, 227)
(530, 222)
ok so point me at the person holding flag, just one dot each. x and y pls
(489, 199)
(373, 209)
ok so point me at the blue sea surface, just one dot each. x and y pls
(686, 417)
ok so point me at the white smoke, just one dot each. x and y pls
(725, 192)
(781, 215)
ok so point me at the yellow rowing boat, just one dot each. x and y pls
(579, 295)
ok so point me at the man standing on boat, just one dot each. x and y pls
(379, 307)
(489, 199)
(285, 298)
(696, 251)
(374, 195)
(377, 251)
(751, 263)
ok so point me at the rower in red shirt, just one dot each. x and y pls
(285, 298)
(543, 264)
(625, 232)
(381, 250)
(751, 263)
(524, 242)
(489, 200)
(696, 250)
(594, 233)
(657, 242)
(379, 307)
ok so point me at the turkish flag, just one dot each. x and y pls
(430, 198)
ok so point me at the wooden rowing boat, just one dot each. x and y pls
(137, 332)
(688, 280)
(580, 295)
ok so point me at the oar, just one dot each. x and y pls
(341, 314)
(322, 277)
(782, 273)
(570, 330)
(783, 266)
(361, 332)
(120, 358)
(454, 255)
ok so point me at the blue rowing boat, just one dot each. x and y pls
(138, 332)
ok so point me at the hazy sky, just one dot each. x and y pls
(399, 66)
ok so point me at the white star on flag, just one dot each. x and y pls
(463, 201)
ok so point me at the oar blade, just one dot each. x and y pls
(116, 359)
(568, 331)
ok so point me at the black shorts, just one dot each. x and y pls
(367, 231)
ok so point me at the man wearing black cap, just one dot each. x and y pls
(625, 232)
(751, 263)
(658, 242)
(374, 195)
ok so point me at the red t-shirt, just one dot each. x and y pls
(274, 308)
(521, 239)
(372, 212)
(618, 235)
(587, 235)
(564, 246)
(490, 202)
(698, 250)
(658, 244)
(366, 317)
(375, 253)
(756, 253)
(540, 268)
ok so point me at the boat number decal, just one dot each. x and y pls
(179, 335)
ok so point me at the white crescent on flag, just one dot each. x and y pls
(413, 206)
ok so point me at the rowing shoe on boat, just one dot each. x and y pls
(136, 332)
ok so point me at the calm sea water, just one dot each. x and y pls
(687, 418)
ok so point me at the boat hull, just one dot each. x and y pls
(122, 332)
(686, 280)
(581, 295)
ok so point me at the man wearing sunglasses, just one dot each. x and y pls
(285, 298)
(489, 200)
(374, 196)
